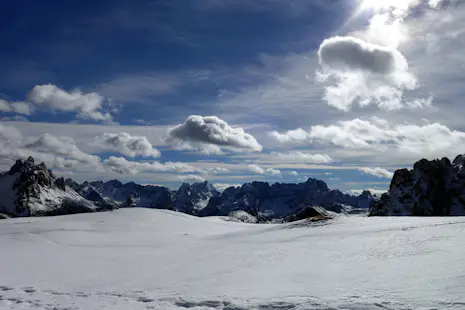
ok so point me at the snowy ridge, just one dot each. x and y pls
(31, 190)
(159, 259)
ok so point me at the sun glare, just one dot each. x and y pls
(381, 5)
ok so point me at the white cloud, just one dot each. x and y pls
(378, 135)
(265, 171)
(377, 172)
(294, 173)
(218, 170)
(297, 156)
(18, 107)
(222, 186)
(212, 131)
(128, 145)
(87, 105)
(63, 147)
(206, 149)
(358, 72)
(123, 166)
(373, 191)
(9, 134)
(189, 178)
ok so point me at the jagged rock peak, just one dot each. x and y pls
(431, 188)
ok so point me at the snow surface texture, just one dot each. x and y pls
(158, 259)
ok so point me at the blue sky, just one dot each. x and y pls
(162, 92)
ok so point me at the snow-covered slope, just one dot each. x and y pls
(158, 259)
(30, 190)
(432, 188)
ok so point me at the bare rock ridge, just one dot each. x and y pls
(28, 189)
(431, 188)
(33, 190)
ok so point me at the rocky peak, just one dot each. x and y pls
(431, 188)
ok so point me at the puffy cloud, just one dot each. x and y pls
(358, 72)
(294, 173)
(63, 147)
(212, 131)
(348, 53)
(88, 106)
(16, 107)
(265, 171)
(128, 145)
(297, 156)
(377, 134)
(123, 166)
(377, 172)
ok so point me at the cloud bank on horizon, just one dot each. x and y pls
(346, 91)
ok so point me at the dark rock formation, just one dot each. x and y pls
(432, 188)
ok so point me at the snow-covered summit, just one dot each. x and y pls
(29, 189)
(432, 188)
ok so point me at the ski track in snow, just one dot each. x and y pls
(156, 259)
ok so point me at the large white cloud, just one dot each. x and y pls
(128, 145)
(123, 166)
(297, 156)
(87, 105)
(358, 72)
(432, 139)
(377, 172)
(212, 131)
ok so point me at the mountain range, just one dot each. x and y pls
(30, 189)
(431, 188)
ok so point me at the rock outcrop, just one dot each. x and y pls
(431, 188)
(28, 189)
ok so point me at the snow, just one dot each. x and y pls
(158, 259)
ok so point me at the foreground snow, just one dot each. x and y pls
(154, 259)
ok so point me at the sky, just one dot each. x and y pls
(231, 91)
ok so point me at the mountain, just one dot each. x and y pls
(431, 188)
(192, 199)
(266, 201)
(258, 199)
(32, 190)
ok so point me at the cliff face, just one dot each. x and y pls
(431, 188)
(28, 189)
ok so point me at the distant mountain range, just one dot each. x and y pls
(432, 188)
(33, 190)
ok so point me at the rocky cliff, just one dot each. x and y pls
(431, 188)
